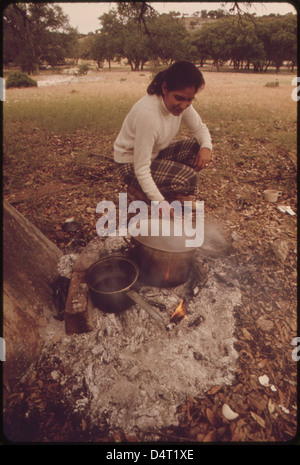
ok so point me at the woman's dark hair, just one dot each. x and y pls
(178, 76)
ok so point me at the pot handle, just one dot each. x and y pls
(143, 304)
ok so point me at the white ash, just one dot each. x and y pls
(65, 265)
(116, 244)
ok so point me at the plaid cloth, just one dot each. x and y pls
(172, 170)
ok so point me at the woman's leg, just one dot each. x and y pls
(182, 151)
(170, 177)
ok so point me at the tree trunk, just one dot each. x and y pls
(29, 268)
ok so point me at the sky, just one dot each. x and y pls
(84, 16)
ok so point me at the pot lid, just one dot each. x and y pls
(164, 234)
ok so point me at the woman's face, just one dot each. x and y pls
(177, 101)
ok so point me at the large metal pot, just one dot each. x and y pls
(112, 283)
(163, 260)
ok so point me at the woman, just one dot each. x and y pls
(147, 157)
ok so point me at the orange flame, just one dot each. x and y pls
(179, 314)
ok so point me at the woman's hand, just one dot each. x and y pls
(203, 159)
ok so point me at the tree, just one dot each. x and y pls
(242, 43)
(109, 43)
(85, 46)
(248, 41)
(278, 35)
(216, 14)
(124, 34)
(139, 12)
(35, 33)
(135, 46)
(168, 38)
(211, 43)
(139, 34)
(291, 28)
(98, 50)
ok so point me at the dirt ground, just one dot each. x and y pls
(264, 240)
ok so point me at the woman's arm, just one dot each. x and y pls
(203, 159)
(143, 148)
(199, 130)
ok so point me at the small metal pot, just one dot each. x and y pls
(112, 281)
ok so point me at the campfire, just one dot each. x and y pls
(124, 371)
(178, 315)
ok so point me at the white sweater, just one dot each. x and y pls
(148, 128)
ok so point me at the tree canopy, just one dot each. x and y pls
(259, 42)
(36, 33)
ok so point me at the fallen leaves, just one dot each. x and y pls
(254, 415)
(265, 393)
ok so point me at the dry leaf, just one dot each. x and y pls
(259, 420)
(117, 437)
(281, 396)
(131, 438)
(188, 408)
(239, 433)
(247, 335)
(262, 363)
(211, 417)
(210, 436)
(214, 390)
(257, 402)
(83, 424)
(271, 406)
(236, 436)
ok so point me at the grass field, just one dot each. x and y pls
(237, 107)
(236, 103)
